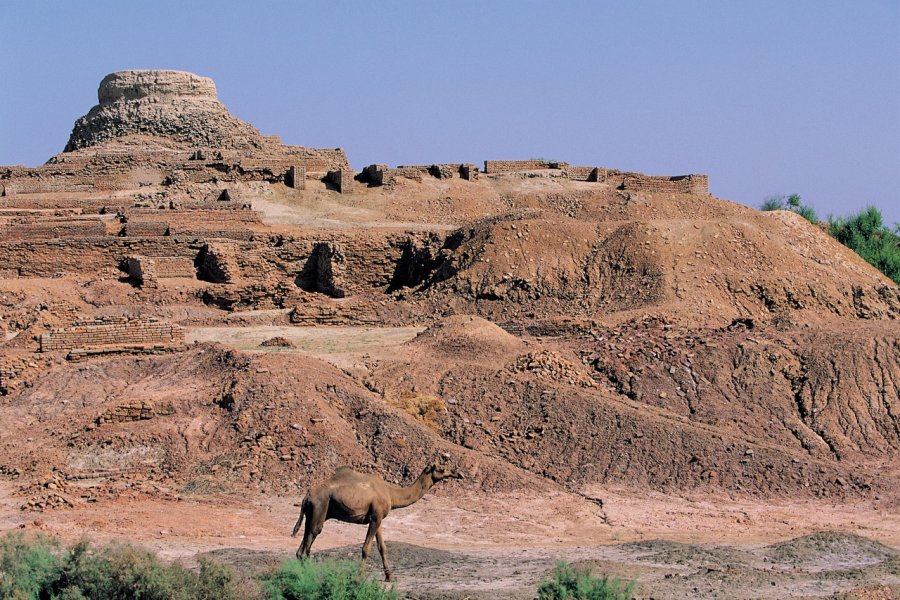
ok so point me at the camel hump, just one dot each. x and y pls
(346, 475)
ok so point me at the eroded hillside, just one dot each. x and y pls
(576, 325)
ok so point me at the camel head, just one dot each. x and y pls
(440, 471)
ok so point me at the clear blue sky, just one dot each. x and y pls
(767, 97)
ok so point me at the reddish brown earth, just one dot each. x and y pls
(666, 385)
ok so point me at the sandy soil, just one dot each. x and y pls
(341, 346)
(318, 208)
(673, 547)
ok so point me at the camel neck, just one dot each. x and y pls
(404, 496)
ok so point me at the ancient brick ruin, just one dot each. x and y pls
(148, 271)
(114, 335)
(157, 185)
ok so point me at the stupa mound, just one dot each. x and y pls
(173, 104)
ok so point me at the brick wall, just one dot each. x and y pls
(375, 174)
(174, 267)
(296, 177)
(379, 174)
(113, 331)
(148, 228)
(34, 185)
(50, 258)
(415, 172)
(87, 202)
(218, 263)
(147, 271)
(468, 171)
(9, 370)
(343, 179)
(49, 228)
(510, 166)
(578, 173)
(679, 184)
(234, 223)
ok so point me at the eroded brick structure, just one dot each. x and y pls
(114, 334)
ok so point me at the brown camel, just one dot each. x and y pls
(360, 498)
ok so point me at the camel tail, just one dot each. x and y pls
(300, 519)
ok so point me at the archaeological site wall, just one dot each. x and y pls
(577, 173)
(113, 332)
(54, 258)
(235, 223)
(148, 271)
(510, 166)
(678, 184)
(28, 228)
(380, 174)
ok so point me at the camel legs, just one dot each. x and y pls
(314, 524)
(382, 549)
(375, 532)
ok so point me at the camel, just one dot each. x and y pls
(355, 497)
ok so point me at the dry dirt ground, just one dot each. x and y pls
(463, 545)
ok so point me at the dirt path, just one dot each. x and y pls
(321, 211)
(341, 346)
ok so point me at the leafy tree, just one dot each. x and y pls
(866, 234)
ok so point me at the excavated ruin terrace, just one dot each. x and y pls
(201, 322)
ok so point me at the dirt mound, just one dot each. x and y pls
(211, 420)
(831, 391)
(466, 337)
(545, 411)
(828, 550)
(277, 342)
(765, 267)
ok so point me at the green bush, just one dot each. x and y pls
(39, 569)
(26, 566)
(865, 234)
(773, 203)
(792, 203)
(580, 584)
(307, 580)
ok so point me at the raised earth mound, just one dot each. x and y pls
(550, 329)
(173, 104)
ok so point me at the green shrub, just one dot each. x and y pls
(26, 566)
(580, 584)
(307, 580)
(773, 203)
(792, 203)
(38, 568)
(865, 234)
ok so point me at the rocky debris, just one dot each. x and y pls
(277, 342)
(10, 472)
(174, 104)
(46, 494)
(548, 364)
